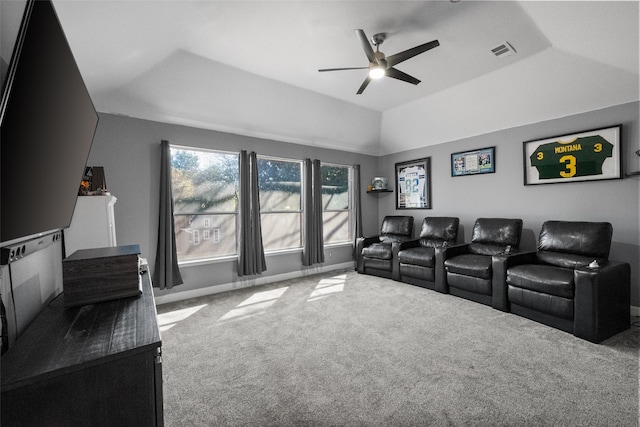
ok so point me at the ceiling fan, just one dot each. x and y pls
(381, 65)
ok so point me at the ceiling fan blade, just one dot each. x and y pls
(341, 69)
(410, 53)
(397, 74)
(368, 50)
(364, 85)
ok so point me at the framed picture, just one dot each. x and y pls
(413, 184)
(473, 162)
(585, 156)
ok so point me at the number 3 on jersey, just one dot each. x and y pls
(570, 166)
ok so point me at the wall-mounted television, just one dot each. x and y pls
(47, 124)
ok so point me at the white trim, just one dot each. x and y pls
(203, 150)
(337, 244)
(246, 283)
(635, 311)
(282, 159)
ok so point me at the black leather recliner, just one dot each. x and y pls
(473, 271)
(569, 283)
(420, 261)
(375, 255)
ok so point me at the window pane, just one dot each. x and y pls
(193, 234)
(336, 227)
(204, 181)
(279, 183)
(335, 187)
(336, 207)
(281, 231)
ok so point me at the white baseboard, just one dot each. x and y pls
(247, 283)
(635, 311)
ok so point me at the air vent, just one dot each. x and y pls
(503, 50)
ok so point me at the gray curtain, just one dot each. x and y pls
(357, 206)
(313, 247)
(251, 258)
(166, 273)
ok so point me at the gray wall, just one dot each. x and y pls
(503, 194)
(129, 151)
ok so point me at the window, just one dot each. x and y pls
(205, 200)
(336, 204)
(279, 182)
(205, 194)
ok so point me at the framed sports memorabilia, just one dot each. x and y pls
(413, 184)
(473, 162)
(585, 156)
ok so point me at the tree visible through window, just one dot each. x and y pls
(205, 195)
(279, 182)
(336, 204)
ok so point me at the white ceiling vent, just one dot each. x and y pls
(503, 50)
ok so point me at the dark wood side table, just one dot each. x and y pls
(95, 365)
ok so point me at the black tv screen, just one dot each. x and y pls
(48, 123)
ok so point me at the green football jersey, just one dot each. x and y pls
(565, 159)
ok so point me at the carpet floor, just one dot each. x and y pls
(344, 349)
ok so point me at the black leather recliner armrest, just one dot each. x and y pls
(409, 244)
(398, 238)
(366, 241)
(440, 284)
(395, 261)
(454, 250)
(602, 301)
(519, 258)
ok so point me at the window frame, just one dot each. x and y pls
(350, 199)
(300, 210)
(215, 232)
(236, 213)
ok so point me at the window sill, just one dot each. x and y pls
(228, 258)
(335, 245)
(205, 261)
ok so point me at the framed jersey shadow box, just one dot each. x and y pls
(585, 156)
(413, 184)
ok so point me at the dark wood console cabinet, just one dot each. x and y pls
(95, 365)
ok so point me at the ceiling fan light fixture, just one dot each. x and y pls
(376, 72)
(381, 66)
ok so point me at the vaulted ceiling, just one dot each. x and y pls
(208, 63)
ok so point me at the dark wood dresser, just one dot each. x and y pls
(95, 365)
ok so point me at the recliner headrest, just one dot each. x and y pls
(576, 237)
(497, 231)
(440, 228)
(402, 225)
